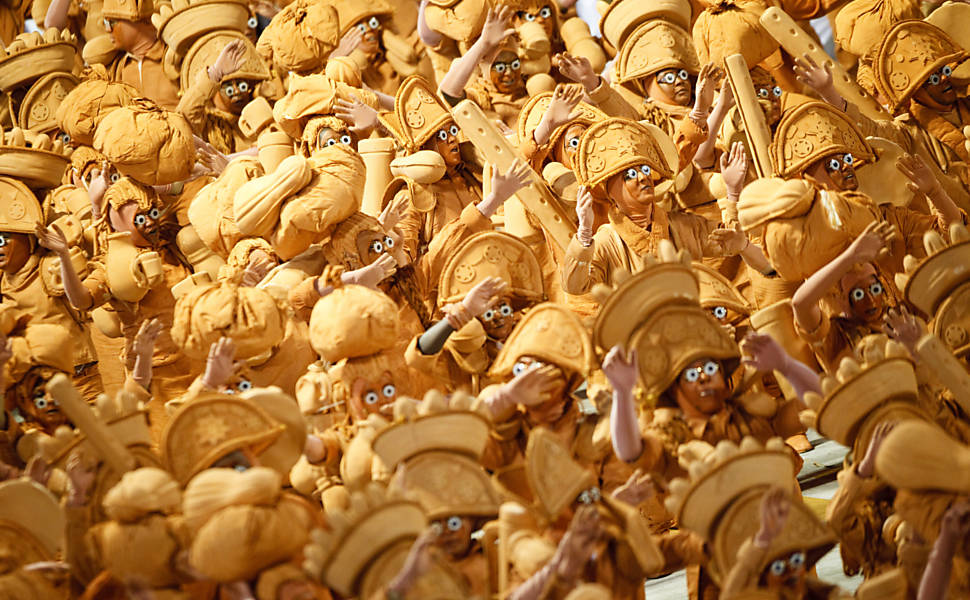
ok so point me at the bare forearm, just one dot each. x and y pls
(945, 206)
(535, 586)
(806, 297)
(78, 295)
(754, 257)
(627, 442)
(461, 71)
(430, 37)
(704, 158)
(142, 373)
(57, 14)
(936, 577)
(801, 377)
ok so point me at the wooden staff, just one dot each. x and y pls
(755, 129)
(536, 197)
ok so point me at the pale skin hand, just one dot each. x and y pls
(764, 354)
(348, 43)
(97, 188)
(483, 295)
(256, 269)
(54, 240)
(577, 545)
(818, 78)
(775, 506)
(361, 118)
(210, 159)
(561, 110)
(578, 69)
(230, 60)
(922, 181)
(639, 488)
(220, 364)
(584, 212)
(419, 561)
(905, 327)
(373, 274)
(622, 372)
(81, 473)
(143, 347)
(533, 387)
(867, 466)
(734, 170)
(504, 186)
(707, 81)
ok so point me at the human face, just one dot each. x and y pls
(445, 142)
(239, 460)
(702, 386)
(35, 404)
(672, 86)
(506, 73)
(373, 396)
(143, 225)
(14, 251)
(327, 137)
(454, 535)
(370, 28)
(568, 144)
(549, 411)
(769, 98)
(937, 91)
(865, 296)
(786, 576)
(543, 16)
(500, 320)
(371, 245)
(633, 190)
(126, 34)
(235, 94)
(841, 171)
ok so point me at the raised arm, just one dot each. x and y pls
(495, 30)
(872, 242)
(622, 373)
(53, 239)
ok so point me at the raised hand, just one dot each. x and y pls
(534, 386)
(360, 117)
(578, 69)
(639, 488)
(230, 60)
(727, 241)
(707, 81)
(81, 473)
(762, 352)
(374, 273)
(496, 26)
(504, 186)
(484, 294)
(621, 368)
(220, 364)
(775, 506)
(921, 179)
(812, 75)
(259, 265)
(584, 212)
(348, 43)
(734, 169)
(867, 466)
(96, 189)
(53, 239)
(904, 327)
(142, 349)
(873, 242)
